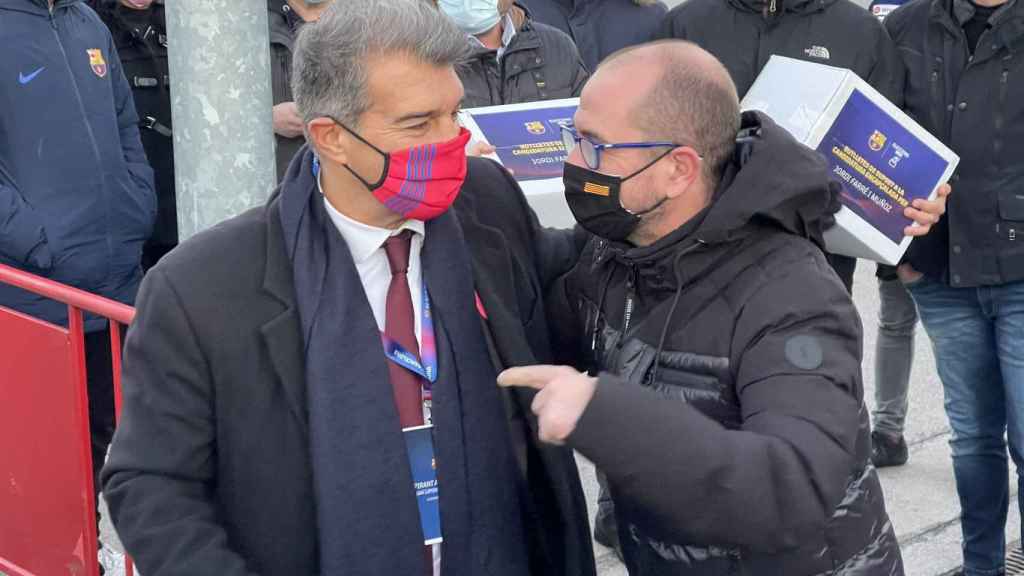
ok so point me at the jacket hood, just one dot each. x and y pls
(754, 190)
(754, 193)
(781, 6)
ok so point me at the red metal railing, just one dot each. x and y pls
(48, 523)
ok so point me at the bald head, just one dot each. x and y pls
(685, 95)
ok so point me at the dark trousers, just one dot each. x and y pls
(844, 267)
(100, 381)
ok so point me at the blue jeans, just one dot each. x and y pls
(978, 338)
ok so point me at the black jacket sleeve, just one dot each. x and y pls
(556, 250)
(158, 481)
(773, 483)
(886, 75)
(900, 73)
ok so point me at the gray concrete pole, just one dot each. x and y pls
(221, 106)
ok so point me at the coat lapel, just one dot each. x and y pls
(282, 334)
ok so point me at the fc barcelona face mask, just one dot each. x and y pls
(594, 200)
(420, 182)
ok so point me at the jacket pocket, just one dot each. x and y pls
(23, 238)
(704, 382)
(1011, 205)
(141, 204)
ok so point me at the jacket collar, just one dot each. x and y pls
(1007, 23)
(525, 37)
(963, 10)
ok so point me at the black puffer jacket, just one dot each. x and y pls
(540, 63)
(976, 107)
(744, 34)
(729, 414)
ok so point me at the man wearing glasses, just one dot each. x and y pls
(726, 407)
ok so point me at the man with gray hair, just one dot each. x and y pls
(309, 387)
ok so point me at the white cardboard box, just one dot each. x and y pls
(529, 144)
(883, 159)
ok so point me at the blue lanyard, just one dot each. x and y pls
(425, 365)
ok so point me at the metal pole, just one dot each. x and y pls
(219, 61)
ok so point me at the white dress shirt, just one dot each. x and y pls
(366, 243)
(367, 246)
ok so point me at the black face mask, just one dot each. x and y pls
(594, 200)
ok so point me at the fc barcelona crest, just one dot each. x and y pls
(535, 128)
(96, 61)
(877, 141)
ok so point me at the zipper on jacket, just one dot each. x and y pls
(997, 142)
(92, 137)
(627, 313)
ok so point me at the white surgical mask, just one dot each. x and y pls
(472, 16)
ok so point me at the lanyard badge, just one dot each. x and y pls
(424, 366)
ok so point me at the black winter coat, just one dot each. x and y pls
(600, 27)
(976, 107)
(729, 415)
(284, 29)
(540, 63)
(744, 34)
(213, 447)
(141, 40)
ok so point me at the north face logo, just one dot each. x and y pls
(818, 52)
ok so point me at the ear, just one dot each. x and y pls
(685, 167)
(328, 139)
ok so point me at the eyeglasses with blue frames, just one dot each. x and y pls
(591, 151)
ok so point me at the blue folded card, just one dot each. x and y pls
(419, 443)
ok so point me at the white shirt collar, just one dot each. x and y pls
(362, 239)
(507, 34)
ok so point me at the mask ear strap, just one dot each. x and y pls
(358, 137)
(371, 186)
(649, 210)
(387, 159)
(645, 167)
(651, 163)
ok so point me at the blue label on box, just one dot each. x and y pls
(881, 165)
(528, 142)
(419, 442)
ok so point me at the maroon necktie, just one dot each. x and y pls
(400, 326)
